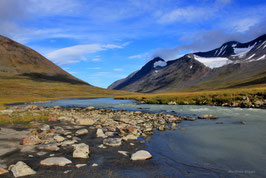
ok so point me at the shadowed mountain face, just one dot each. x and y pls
(20, 60)
(231, 65)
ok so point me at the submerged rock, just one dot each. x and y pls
(112, 141)
(21, 169)
(80, 165)
(81, 150)
(125, 153)
(141, 155)
(55, 161)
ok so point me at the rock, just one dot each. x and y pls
(68, 142)
(80, 165)
(141, 155)
(109, 134)
(3, 171)
(130, 137)
(41, 153)
(85, 122)
(81, 150)
(51, 155)
(101, 146)
(171, 103)
(21, 169)
(6, 111)
(89, 108)
(81, 132)
(112, 141)
(243, 122)
(173, 126)
(131, 144)
(189, 118)
(30, 140)
(59, 138)
(45, 127)
(125, 153)
(161, 128)
(55, 161)
(57, 107)
(138, 112)
(207, 116)
(100, 133)
(48, 147)
(94, 165)
(67, 171)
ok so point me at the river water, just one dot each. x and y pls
(204, 148)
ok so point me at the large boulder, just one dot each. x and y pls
(141, 155)
(81, 151)
(21, 169)
(55, 161)
(112, 141)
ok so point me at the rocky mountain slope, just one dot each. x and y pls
(20, 60)
(231, 65)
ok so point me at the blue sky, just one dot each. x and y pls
(101, 41)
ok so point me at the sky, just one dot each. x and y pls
(101, 41)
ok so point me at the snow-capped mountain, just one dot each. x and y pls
(232, 64)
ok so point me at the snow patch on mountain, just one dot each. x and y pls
(213, 62)
(159, 64)
(242, 51)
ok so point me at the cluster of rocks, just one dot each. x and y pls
(114, 127)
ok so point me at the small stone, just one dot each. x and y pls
(109, 134)
(132, 144)
(80, 165)
(21, 169)
(41, 153)
(89, 108)
(101, 146)
(55, 161)
(81, 132)
(68, 142)
(30, 140)
(161, 128)
(3, 171)
(94, 165)
(112, 141)
(30, 156)
(189, 118)
(81, 150)
(100, 133)
(207, 116)
(52, 155)
(59, 138)
(125, 153)
(173, 126)
(45, 127)
(85, 122)
(141, 155)
(48, 147)
(67, 171)
(68, 136)
(130, 137)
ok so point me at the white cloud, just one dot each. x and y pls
(118, 69)
(138, 56)
(187, 14)
(243, 25)
(78, 53)
(96, 59)
(94, 68)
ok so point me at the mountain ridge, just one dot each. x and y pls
(211, 69)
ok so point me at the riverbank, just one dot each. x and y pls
(32, 134)
(239, 97)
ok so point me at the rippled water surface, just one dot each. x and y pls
(202, 148)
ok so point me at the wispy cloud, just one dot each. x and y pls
(77, 53)
(118, 69)
(94, 68)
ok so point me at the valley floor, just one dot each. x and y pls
(254, 97)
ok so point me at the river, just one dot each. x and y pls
(232, 146)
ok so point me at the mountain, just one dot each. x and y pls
(233, 64)
(27, 76)
(20, 60)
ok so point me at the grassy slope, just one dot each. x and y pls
(217, 97)
(22, 89)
